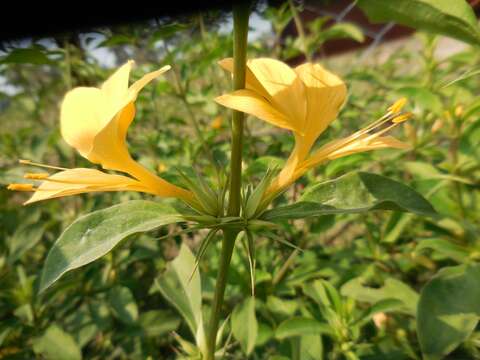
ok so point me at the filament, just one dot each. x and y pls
(28, 162)
(36, 176)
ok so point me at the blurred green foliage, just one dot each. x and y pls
(350, 293)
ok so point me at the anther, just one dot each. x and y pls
(402, 117)
(21, 187)
(398, 105)
(36, 176)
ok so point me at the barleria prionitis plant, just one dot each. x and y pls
(241, 218)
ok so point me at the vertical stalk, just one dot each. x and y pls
(300, 30)
(240, 28)
(241, 13)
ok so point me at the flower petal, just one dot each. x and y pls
(138, 85)
(116, 86)
(326, 94)
(95, 121)
(82, 115)
(251, 82)
(109, 146)
(251, 103)
(82, 180)
(285, 89)
(86, 111)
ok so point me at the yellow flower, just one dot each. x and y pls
(161, 167)
(95, 122)
(304, 100)
(217, 123)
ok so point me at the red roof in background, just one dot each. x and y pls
(345, 10)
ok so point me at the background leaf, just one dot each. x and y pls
(26, 56)
(300, 326)
(454, 18)
(448, 310)
(55, 344)
(123, 304)
(391, 289)
(244, 324)
(183, 293)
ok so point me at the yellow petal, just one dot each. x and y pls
(82, 116)
(95, 121)
(116, 86)
(138, 85)
(326, 94)
(82, 180)
(296, 157)
(109, 146)
(254, 104)
(279, 85)
(285, 89)
(251, 82)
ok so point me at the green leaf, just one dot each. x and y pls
(448, 310)
(123, 304)
(282, 307)
(391, 289)
(244, 324)
(428, 171)
(25, 237)
(250, 249)
(202, 249)
(454, 18)
(445, 247)
(167, 31)
(324, 294)
(423, 98)
(385, 305)
(55, 344)
(341, 31)
(353, 193)
(184, 291)
(156, 323)
(260, 165)
(117, 40)
(300, 326)
(311, 347)
(265, 333)
(93, 235)
(26, 56)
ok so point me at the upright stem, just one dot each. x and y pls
(240, 29)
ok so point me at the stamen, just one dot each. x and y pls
(402, 117)
(21, 187)
(28, 162)
(387, 117)
(36, 176)
(398, 105)
(367, 134)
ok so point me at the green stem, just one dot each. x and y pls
(182, 94)
(68, 66)
(300, 30)
(240, 18)
(240, 29)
